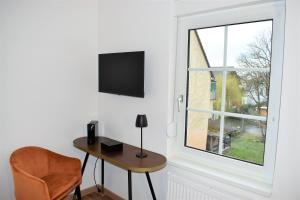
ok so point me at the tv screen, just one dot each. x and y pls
(122, 73)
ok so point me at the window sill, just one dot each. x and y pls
(243, 182)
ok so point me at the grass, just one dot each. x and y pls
(247, 147)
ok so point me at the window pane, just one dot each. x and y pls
(247, 73)
(247, 93)
(206, 47)
(247, 139)
(203, 131)
(205, 90)
(249, 45)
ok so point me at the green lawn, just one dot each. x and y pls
(247, 147)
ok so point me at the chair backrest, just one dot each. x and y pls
(32, 160)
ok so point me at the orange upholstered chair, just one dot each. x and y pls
(40, 174)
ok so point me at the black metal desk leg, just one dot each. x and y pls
(78, 193)
(102, 175)
(84, 162)
(129, 186)
(77, 190)
(150, 185)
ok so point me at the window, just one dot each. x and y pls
(227, 104)
(227, 93)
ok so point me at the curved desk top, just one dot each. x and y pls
(125, 159)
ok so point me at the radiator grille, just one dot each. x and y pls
(180, 188)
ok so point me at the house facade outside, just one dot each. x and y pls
(199, 94)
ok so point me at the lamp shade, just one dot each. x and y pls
(141, 121)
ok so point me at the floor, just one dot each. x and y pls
(92, 194)
(96, 196)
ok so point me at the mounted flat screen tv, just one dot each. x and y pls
(122, 73)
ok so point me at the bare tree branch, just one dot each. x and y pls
(257, 84)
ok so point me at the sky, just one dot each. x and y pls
(239, 37)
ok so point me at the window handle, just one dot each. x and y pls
(179, 101)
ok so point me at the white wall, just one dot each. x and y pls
(128, 26)
(188, 7)
(48, 82)
(136, 27)
(287, 173)
(48, 77)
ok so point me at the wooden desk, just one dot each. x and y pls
(125, 159)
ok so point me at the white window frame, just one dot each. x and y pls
(225, 69)
(267, 11)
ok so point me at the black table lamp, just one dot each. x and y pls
(141, 121)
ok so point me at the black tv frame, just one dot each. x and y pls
(142, 95)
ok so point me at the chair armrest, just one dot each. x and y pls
(28, 187)
(63, 164)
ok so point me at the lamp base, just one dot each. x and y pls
(141, 155)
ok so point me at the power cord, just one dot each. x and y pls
(96, 185)
(98, 189)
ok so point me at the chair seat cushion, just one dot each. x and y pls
(60, 184)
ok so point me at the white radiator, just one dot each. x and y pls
(180, 188)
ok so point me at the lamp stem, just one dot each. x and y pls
(141, 141)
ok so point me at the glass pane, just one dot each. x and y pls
(206, 47)
(203, 131)
(247, 139)
(248, 93)
(249, 45)
(205, 90)
(248, 48)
